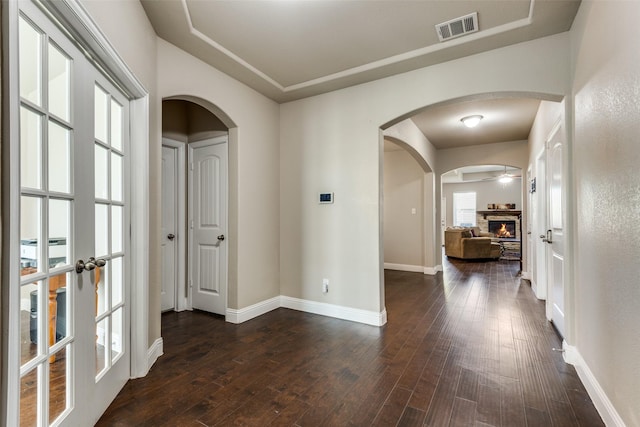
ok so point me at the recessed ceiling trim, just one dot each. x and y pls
(226, 51)
(362, 68)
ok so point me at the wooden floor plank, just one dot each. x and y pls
(468, 346)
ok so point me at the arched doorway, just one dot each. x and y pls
(194, 206)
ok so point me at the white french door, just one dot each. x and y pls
(73, 313)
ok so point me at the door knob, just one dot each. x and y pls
(221, 237)
(171, 236)
(91, 264)
(98, 262)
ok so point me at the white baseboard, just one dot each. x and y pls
(156, 350)
(525, 275)
(432, 270)
(255, 310)
(605, 408)
(412, 268)
(337, 311)
(403, 267)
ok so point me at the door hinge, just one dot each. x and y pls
(191, 166)
(191, 224)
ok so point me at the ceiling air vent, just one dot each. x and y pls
(458, 27)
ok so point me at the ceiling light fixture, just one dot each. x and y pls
(471, 121)
(505, 178)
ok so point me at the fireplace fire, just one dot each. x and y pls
(503, 229)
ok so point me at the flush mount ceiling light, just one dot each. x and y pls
(471, 121)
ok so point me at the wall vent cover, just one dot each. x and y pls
(458, 27)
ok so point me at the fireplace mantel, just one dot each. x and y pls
(499, 213)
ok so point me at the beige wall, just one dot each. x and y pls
(331, 142)
(253, 167)
(606, 155)
(403, 209)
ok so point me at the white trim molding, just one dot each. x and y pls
(314, 307)
(432, 270)
(337, 311)
(253, 311)
(154, 352)
(404, 267)
(413, 268)
(600, 399)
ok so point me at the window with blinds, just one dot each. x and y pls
(464, 209)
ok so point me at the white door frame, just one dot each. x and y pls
(78, 23)
(182, 292)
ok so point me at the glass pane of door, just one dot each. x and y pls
(109, 232)
(46, 212)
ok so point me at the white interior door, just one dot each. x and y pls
(540, 227)
(208, 223)
(73, 318)
(555, 233)
(169, 227)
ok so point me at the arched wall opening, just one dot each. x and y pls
(188, 119)
(407, 198)
(511, 153)
(498, 198)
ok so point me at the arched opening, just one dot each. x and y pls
(406, 181)
(487, 199)
(190, 127)
(510, 151)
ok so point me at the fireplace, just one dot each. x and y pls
(505, 229)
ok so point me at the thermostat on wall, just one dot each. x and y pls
(326, 198)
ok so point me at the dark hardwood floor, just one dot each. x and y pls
(467, 347)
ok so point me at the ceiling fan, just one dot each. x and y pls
(504, 177)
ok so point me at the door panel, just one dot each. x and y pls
(169, 227)
(208, 210)
(556, 253)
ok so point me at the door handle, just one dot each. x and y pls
(171, 236)
(221, 237)
(91, 264)
(548, 239)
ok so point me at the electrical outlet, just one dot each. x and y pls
(325, 286)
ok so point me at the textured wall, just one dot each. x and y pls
(606, 158)
(403, 191)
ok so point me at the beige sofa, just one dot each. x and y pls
(460, 243)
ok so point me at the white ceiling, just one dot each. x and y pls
(504, 120)
(290, 49)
